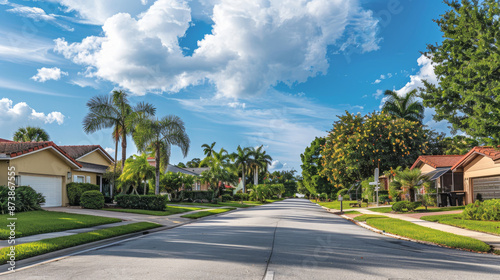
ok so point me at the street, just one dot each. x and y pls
(292, 239)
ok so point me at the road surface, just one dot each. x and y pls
(293, 239)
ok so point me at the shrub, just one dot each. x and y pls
(226, 197)
(383, 198)
(489, 210)
(405, 206)
(194, 195)
(75, 191)
(92, 200)
(145, 202)
(323, 196)
(26, 199)
(240, 196)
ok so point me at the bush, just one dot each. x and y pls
(145, 202)
(92, 200)
(226, 197)
(240, 196)
(27, 199)
(194, 195)
(489, 210)
(75, 191)
(405, 206)
(323, 196)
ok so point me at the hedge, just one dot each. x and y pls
(405, 206)
(75, 191)
(27, 199)
(489, 210)
(198, 195)
(92, 200)
(240, 196)
(226, 197)
(146, 202)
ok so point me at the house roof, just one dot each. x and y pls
(491, 152)
(78, 151)
(185, 170)
(198, 170)
(5, 140)
(17, 149)
(175, 169)
(91, 167)
(438, 161)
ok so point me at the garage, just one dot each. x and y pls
(49, 186)
(488, 187)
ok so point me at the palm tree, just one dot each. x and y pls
(216, 158)
(158, 136)
(138, 169)
(261, 160)
(31, 134)
(242, 159)
(208, 149)
(412, 180)
(220, 172)
(405, 107)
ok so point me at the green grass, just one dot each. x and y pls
(381, 209)
(44, 246)
(413, 231)
(37, 222)
(171, 210)
(456, 220)
(207, 213)
(418, 210)
(348, 212)
(336, 204)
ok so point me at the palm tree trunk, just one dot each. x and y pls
(256, 176)
(157, 170)
(145, 183)
(124, 148)
(243, 178)
(114, 169)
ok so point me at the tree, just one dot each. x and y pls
(31, 134)
(208, 149)
(115, 112)
(458, 145)
(195, 163)
(311, 168)
(411, 180)
(260, 162)
(181, 165)
(467, 65)
(158, 136)
(242, 159)
(358, 144)
(405, 107)
(137, 169)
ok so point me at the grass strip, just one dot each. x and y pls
(350, 212)
(38, 222)
(48, 245)
(417, 232)
(457, 220)
(207, 213)
(336, 204)
(171, 210)
(418, 210)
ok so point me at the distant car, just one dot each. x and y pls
(300, 195)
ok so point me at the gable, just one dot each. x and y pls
(45, 162)
(482, 166)
(95, 157)
(425, 168)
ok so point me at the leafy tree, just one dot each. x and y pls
(137, 169)
(195, 163)
(358, 144)
(208, 149)
(405, 107)
(458, 145)
(31, 134)
(311, 168)
(181, 165)
(158, 136)
(467, 65)
(242, 159)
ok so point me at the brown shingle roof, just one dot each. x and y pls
(15, 149)
(4, 140)
(438, 160)
(491, 152)
(76, 151)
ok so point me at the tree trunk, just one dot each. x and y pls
(157, 169)
(243, 178)
(124, 148)
(256, 176)
(114, 169)
(145, 183)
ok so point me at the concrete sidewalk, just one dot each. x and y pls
(493, 240)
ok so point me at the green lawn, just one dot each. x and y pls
(413, 231)
(419, 209)
(171, 210)
(336, 204)
(37, 222)
(44, 246)
(351, 212)
(456, 220)
(207, 213)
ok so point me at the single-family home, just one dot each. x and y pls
(198, 185)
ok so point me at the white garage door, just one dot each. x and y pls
(50, 187)
(488, 187)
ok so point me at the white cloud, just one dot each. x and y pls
(45, 74)
(382, 77)
(253, 44)
(426, 72)
(15, 47)
(378, 94)
(12, 85)
(21, 114)
(31, 12)
(276, 165)
(377, 81)
(110, 151)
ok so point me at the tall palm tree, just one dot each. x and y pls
(242, 159)
(115, 112)
(158, 136)
(261, 161)
(31, 134)
(208, 149)
(138, 169)
(405, 107)
(216, 158)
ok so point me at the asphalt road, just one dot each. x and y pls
(299, 239)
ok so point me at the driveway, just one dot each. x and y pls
(292, 239)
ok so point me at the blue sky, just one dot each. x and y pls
(244, 73)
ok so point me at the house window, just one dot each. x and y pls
(80, 179)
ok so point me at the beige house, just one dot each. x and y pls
(47, 168)
(481, 172)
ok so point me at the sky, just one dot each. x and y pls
(238, 72)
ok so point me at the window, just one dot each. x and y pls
(80, 179)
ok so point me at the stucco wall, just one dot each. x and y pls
(480, 167)
(3, 172)
(93, 176)
(96, 158)
(425, 168)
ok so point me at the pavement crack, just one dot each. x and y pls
(266, 276)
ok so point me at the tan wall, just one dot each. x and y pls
(45, 162)
(480, 167)
(96, 158)
(93, 176)
(425, 168)
(3, 173)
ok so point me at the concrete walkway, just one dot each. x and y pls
(493, 240)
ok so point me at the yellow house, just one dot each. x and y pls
(481, 169)
(47, 168)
